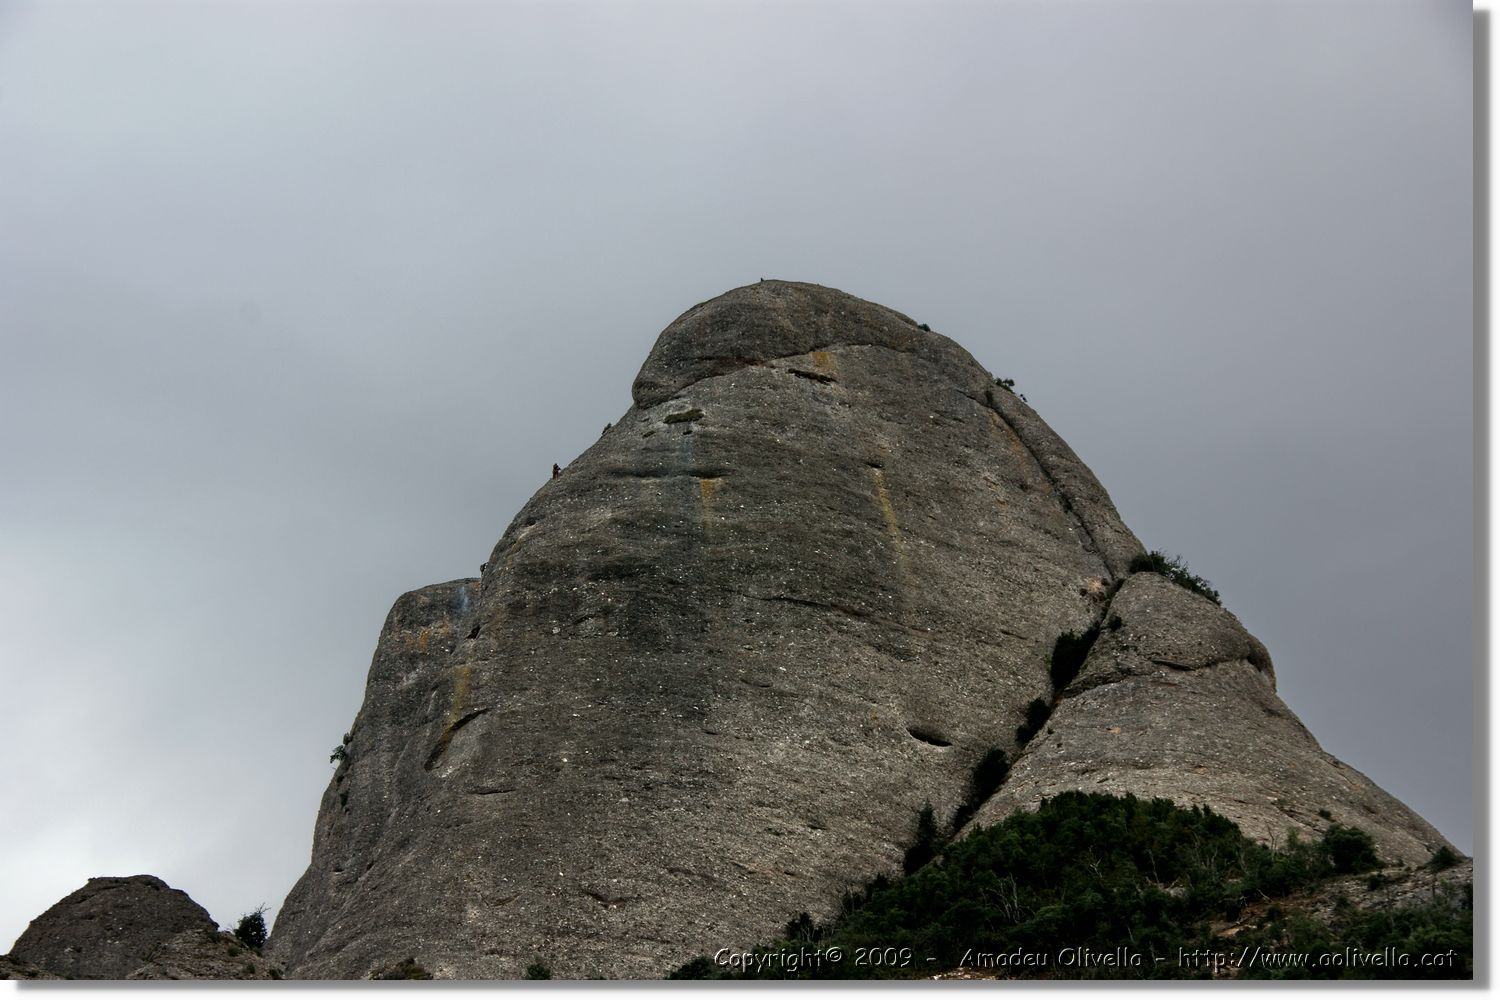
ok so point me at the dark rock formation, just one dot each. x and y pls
(710, 674)
(12, 969)
(108, 928)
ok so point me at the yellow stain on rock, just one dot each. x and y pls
(423, 637)
(455, 712)
(824, 361)
(887, 512)
(707, 490)
(460, 695)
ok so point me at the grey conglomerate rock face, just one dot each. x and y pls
(710, 674)
(204, 954)
(107, 929)
(1179, 701)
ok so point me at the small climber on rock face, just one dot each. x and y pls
(556, 470)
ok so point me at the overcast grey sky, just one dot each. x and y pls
(299, 301)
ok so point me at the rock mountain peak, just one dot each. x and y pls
(710, 673)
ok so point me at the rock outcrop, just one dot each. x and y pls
(204, 954)
(1176, 700)
(710, 674)
(108, 928)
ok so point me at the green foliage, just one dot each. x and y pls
(251, 929)
(1115, 623)
(1174, 569)
(407, 968)
(1350, 850)
(989, 774)
(1068, 654)
(698, 968)
(801, 928)
(339, 753)
(1441, 929)
(537, 970)
(1009, 385)
(1090, 871)
(1443, 858)
(1038, 712)
(925, 844)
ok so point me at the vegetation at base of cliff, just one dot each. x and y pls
(1115, 875)
(407, 968)
(251, 929)
(1439, 931)
(1176, 570)
(538, 970)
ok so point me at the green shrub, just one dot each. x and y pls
(1068, 654)
(698, 968)
(801, 928)
(537, 970)
(1350, 850)
(1443, 858)
(1037, 714)
(407, 968)
(1174, 569)
(1100, 872)
(1441, 927)
(989, 774)
(925, 843)
(1009, 385)
(251, 929)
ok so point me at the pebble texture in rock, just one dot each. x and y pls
(108, 928)
(1178, 701)
(710, 674)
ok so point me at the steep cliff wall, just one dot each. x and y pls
(710, 674)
